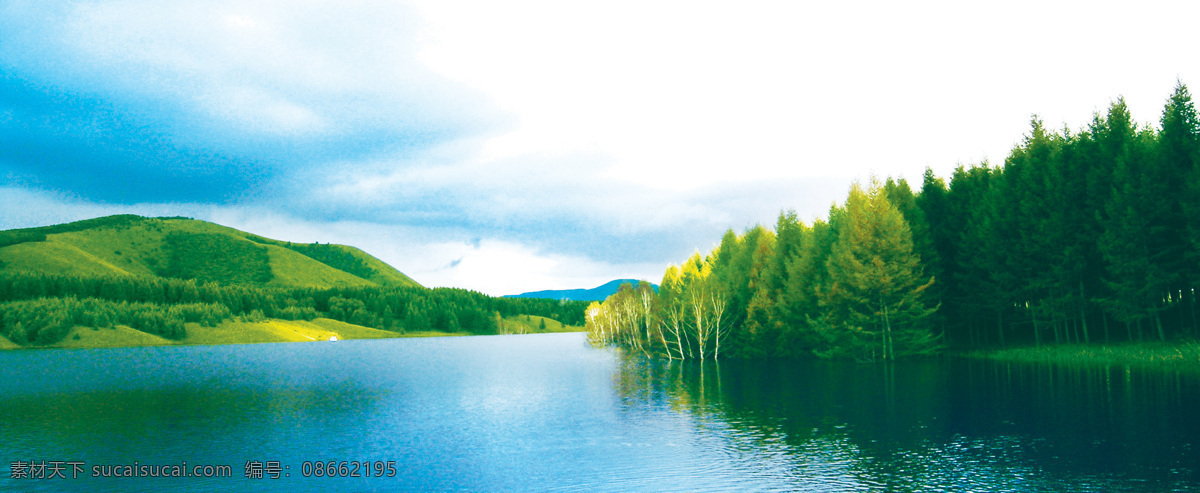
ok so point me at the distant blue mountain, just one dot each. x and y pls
(598, 293)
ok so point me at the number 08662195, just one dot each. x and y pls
(348, 469)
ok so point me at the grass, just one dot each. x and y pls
(119, 336)
(294, 269)
(138, 246)
(1150, 354)
(229, 332)
(7, 344)
(531, 324)
(321, 329)
(59, 258)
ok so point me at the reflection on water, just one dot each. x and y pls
(548, 412)
(950, 424)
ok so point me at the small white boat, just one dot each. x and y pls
(333, 338)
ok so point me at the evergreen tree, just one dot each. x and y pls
(875, 305)
(1130, 242)
(1179, 144)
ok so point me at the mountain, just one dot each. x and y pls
(176, 247)
(598, 293)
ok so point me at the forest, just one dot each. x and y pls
(1091, 235)
(40, 309)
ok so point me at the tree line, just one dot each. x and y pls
(41, 309)
(1080, 236)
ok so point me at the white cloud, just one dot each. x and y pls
(680, 95)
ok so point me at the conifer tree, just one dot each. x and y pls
(875, 305)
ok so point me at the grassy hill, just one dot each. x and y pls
(184, 248)
(133, 281)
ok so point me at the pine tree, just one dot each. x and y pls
(875, 305)
(1130, 242)
(1179, 144)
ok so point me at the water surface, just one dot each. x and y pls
(547, 412)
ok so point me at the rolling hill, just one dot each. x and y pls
(598, 293)
(129, 280)
(182, 248)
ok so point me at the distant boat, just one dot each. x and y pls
(333, 338)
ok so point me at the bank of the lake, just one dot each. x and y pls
(251, 332)
(1183, 354)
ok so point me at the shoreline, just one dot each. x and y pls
(1177, 354)
(229, 332)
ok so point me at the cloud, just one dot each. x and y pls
(140, 100)
(562, 204)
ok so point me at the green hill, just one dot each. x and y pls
(132, 281)
(182, 248)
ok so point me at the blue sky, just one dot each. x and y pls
(517, 146)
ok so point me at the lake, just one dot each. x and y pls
(548, 412)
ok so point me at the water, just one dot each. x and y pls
(547, 412)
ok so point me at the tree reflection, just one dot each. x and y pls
(946, 422)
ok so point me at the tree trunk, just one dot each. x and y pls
(1087, 339)
(1162, 336)
(1037, 333)
(1192, 307)
(887, 339)
(1191, 299)
(1104, 318)
(1000, 326)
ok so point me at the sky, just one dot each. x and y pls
(516, 146)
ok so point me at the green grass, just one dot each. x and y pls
(57, 257)
(294, 269)
(229, 332)
(137, 249)
(119, 336)
(343, 258)
(7, 344)
(131, 245)
(234, 332)
(531, 324)
(220, 258)
(350, 331)
(1150, 354)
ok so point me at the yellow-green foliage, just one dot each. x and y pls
(234, 332)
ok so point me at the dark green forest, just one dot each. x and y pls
(41, 309)
(1091, 235)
